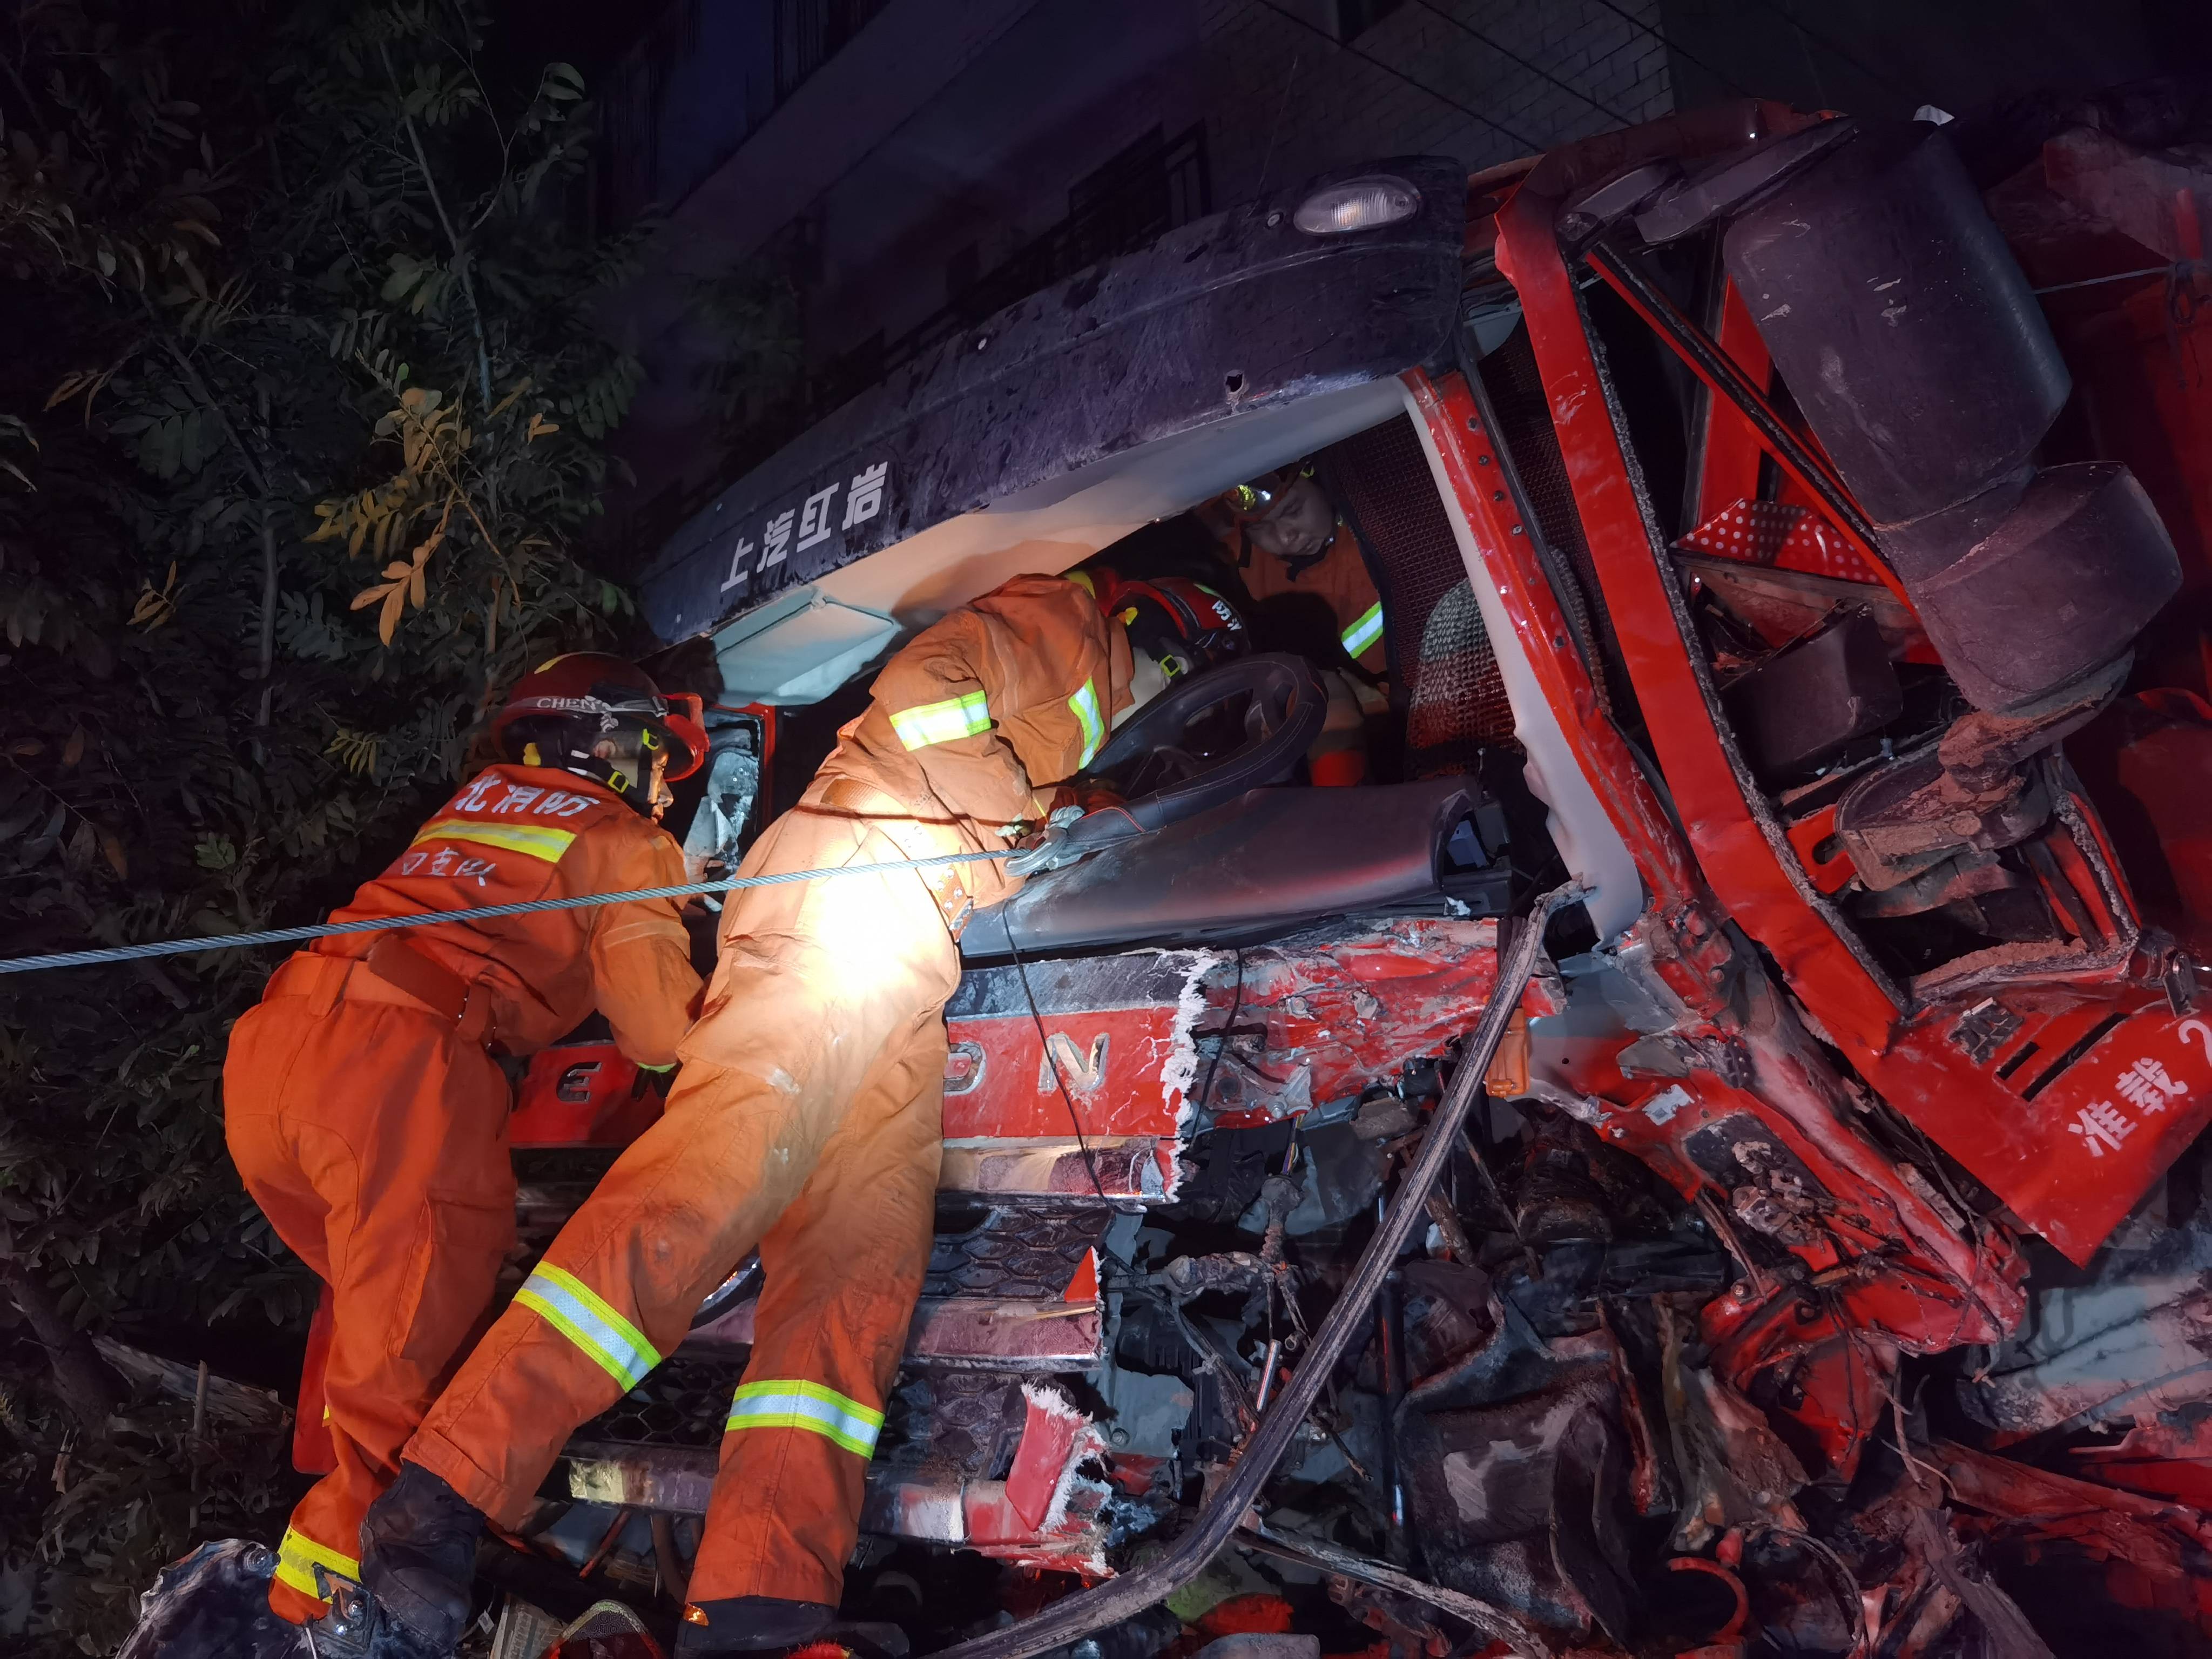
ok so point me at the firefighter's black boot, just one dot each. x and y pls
(764, 1628)
(418, 1562)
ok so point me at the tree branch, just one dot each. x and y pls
(268, 524)
(452, 237)
(30, 104)
(268, 613)
(223, 418)
(81, 1376)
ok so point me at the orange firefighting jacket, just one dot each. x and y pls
(979, 716)
(519, 833)
(1338, 576)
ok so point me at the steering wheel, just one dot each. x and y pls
(1170, 760)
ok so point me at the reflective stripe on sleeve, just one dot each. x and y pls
(1364, 632)
(572, 1308)
(1084, 703)
(809, 1406)
(942, 722)
(298, 1557)
(528, 839)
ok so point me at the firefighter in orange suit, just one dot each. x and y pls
(1295, 558)
(362, 1101)
(806, 1122)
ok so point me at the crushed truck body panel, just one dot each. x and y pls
(1826, 1265)
(1225, 318)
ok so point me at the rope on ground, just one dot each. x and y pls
(482, 913)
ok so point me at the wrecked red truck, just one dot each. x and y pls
(1699, 1152)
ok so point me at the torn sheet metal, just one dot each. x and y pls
(1132, 1168)
(1114, 1062)
(2100, 1357)
(1328, 1013)
(1267, 1033)
(1046, 1512)
(2077, 1108)
(1012, 1289)
(2109, 1550)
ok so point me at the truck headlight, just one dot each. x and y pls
(1357, 204)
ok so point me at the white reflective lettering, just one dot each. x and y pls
(866, 498)
(814, 518)
(775, 538)
(738, 573)
(2100, 1124)
(472, 799)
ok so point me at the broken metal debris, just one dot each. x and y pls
(1814, 1260)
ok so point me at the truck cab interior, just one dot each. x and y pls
(1238, 841)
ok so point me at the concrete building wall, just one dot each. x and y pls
(945, 137)
(1887, 57)
(987, 163)
(948, 134)
(1485, 81)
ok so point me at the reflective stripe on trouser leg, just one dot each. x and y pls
(409, 1228)
(299, 1556)
(814, 981)
(792, 1404)
(844, 1265)
(577, 1311)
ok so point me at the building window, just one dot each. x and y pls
(1190, 189)
(1146, 188)
(798, 36)
(1150, 186)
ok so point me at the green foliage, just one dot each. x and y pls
(116, 1512)
(300, 421)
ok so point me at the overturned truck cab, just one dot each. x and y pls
(1763, 574)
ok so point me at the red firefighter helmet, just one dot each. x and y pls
(1185, 626)
(569, 703)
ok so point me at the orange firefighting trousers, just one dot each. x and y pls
(806, 1122)
(374, 1137)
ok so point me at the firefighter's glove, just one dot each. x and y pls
(1047, 848)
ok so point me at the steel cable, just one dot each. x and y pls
(175, 947)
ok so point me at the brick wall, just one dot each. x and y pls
(1485, 81)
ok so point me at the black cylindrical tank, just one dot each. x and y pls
(1901, 321)
(1908, 335)
(2058, 586)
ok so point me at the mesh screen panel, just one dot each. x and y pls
(683, 1402)
(1445, 675)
